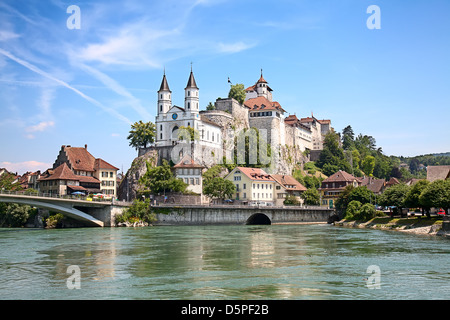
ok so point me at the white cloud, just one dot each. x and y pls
(41, 126)
(8, 35)
(22, 167)
(120, 90)
(234, 47)
(35, 69)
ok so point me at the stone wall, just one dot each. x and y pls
(238, 215)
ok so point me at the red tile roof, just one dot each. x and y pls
(187, 162)
(102, 164)
(340, 176)
(255, 174)
(62, 172)
(288, 182)
(261, 103)
(80, 159)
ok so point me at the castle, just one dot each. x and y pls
(216, 129)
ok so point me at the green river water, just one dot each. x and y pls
(222, 262)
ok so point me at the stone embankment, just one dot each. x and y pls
(415, 225)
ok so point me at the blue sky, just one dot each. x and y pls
(61, 86)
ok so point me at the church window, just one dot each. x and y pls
(161, 95)
(160, 108)
(160, 135)
(160, 127)
(189, 124)
(189, 93)
(212, 136)
(189, 105)
(207, 135)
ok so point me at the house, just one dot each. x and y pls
(438, 173)
(287, 185)
(190, 172)
(87, 174)
(333, 186)
(392, 182)
(253, 186)
(377, 186)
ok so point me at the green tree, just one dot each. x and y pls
(14, 215)
(412, 197)
(140, 210)
(161, 179)
(348, 137)
(437, 195)
(311, 197)
(218, 187)
(368, 165)
(210, 106)
(291, 200)
(332, 157)
(190, 133)
(141, 134)
(394, 196)
(237, 92)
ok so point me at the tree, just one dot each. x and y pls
(210, 106)
(139, 211)
(348, 138)
(437, 195)
(142, 134)
(237, 92)
(190, 133)
(218, 187)
(311, 197)
(368, 165)
(351, 193)
(332, 157)
(412, 197)
(161, 179)
(394, 196)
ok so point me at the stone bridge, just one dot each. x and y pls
(233, 214)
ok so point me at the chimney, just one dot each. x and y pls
(85, 146)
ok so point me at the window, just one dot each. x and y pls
(160, 108)
(192, 181)
(237, 187)
(244, 186)
(245, 195)
(189, 105)
(189, 93)
(197, 181)
(111, 174)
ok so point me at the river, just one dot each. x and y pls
(222, 262)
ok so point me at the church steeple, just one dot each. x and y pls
(191, 94)
(164, 96)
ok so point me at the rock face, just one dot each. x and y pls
(130, 183)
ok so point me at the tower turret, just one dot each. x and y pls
(164, 96)
(191, 98)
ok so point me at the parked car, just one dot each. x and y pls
(441, 211)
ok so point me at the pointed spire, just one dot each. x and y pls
(191, 82)
(164, 84)
(261, 79)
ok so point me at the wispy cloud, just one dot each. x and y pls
(234, 47)
(119, 89)
(64, 84)
(22, 167)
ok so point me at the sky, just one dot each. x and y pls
(83, 77)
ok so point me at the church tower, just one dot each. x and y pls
(262, 88)
(191, 95)
(164, 96)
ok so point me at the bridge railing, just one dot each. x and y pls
(235, 206)
(54, 196)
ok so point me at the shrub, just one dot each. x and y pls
(353, 210)
(54, 221)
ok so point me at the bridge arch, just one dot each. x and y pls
(258, 219)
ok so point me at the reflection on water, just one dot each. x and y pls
(221, 262)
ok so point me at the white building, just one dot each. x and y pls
(170, 118)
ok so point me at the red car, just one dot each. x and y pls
(441, 211)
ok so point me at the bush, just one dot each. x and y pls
(54, 221)
(139, 211)
(353, 209)
(357, 211)
(291, 200)
(14, 215)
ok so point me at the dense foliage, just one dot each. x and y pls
(160, 179)
(142, 134)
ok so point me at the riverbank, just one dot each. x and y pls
(414, 225)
